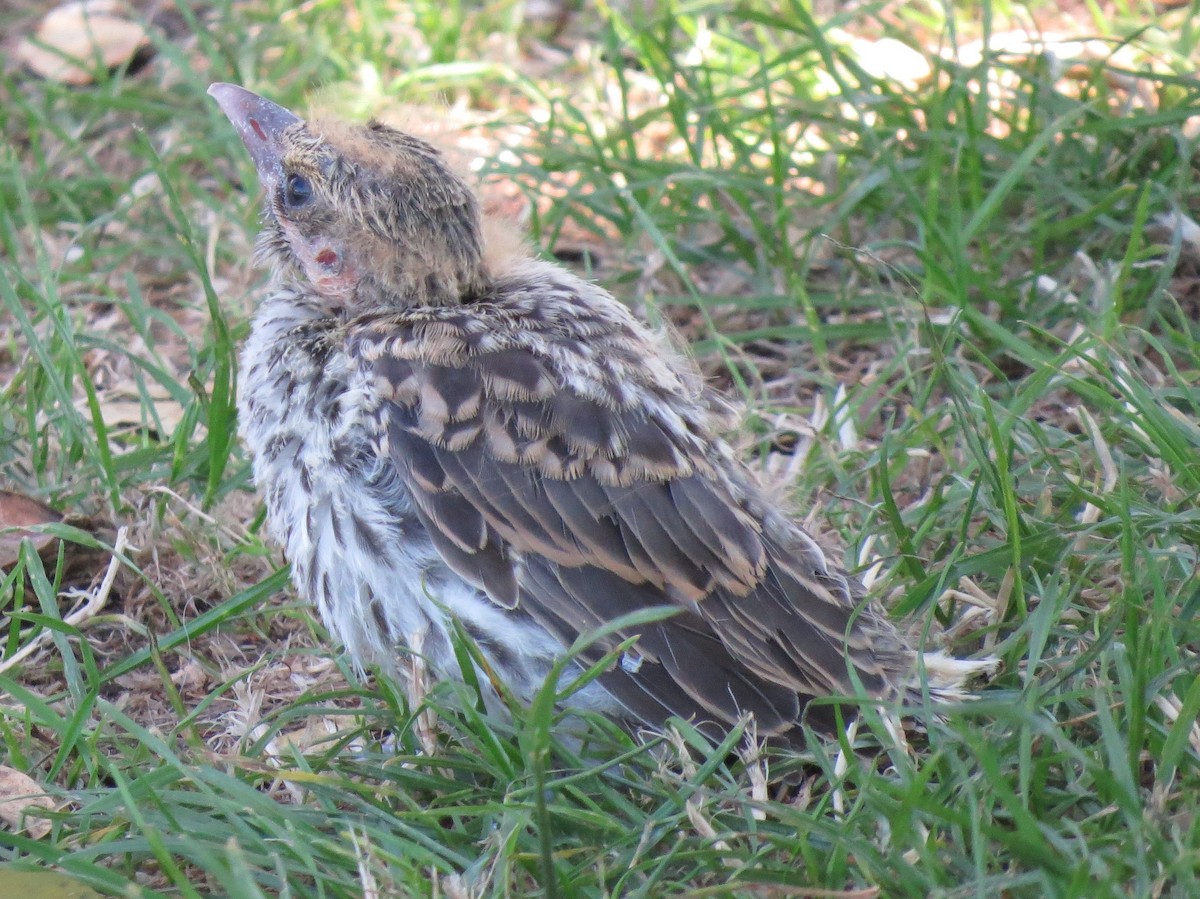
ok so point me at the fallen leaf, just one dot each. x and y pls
(887, 58)
(18, 794)
(74, 37)
(191, 676)
(123, 414)
(43, 885)
(316, 732)
(127, 409)
(18, 513)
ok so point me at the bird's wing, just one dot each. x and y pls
(547, 483)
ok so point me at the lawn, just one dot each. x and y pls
(950, 269)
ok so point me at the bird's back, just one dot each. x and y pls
(565, 466)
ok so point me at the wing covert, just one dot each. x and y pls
(496, 451)
(545, 479)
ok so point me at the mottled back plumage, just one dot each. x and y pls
(438, 432)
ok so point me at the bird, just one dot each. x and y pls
(449, 431)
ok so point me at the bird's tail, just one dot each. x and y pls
(945, 678)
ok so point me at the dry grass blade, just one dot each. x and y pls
(93, 602)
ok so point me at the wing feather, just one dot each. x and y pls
(585, 514)
(546, 480)
(680, 661)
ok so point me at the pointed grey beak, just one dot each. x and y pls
(259, 123)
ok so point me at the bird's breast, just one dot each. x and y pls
(345, 521)
(341, 512)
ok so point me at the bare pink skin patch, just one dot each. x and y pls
(327, 269)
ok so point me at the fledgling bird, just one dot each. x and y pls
(441, 429)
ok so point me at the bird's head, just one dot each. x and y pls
(366, 215)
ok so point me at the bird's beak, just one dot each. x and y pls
(259, 123)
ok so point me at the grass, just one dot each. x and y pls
(958, 308)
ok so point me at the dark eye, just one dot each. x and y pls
(297, 191)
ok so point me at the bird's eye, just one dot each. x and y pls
(297, 191)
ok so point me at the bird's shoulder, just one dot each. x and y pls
(546, 369)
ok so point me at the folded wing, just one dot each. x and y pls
(550, 478)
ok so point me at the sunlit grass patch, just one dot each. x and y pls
(956, 286)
